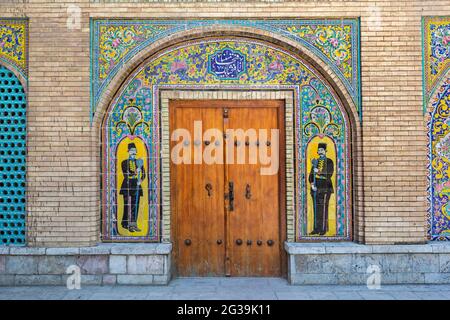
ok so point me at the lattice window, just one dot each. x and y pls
(12, 159)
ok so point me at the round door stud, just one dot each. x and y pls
(239, 242)
(270, 243)
(187, 242)
(249, 242)
(259, 242)
(219, 242)
(207, 143)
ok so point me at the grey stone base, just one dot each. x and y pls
(105, 264)
(351, 263)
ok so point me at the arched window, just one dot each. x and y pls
(12, 159)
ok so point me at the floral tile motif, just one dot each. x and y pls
(13, 43)
(335, 41)
(117, 41)
(114, 42)
(436, 55)
(436, 51)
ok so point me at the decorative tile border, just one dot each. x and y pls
(199, 93)
(114, 42)
(436, 101)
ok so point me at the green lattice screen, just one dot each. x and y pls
(12, 159)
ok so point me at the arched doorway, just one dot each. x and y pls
(136, 122)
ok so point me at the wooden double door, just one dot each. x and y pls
(227, 187)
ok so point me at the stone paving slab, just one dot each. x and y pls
(229, 289)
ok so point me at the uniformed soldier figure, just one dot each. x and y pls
(321, 189)
(134, 174)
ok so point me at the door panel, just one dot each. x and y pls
(206, 220)
(255, 218)
(199, 216)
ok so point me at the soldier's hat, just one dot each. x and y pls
(323, 146)
(131, 146)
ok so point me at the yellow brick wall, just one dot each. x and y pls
(63, 171)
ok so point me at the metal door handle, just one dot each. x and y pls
(230, 195)
(248, 192)
(208, 188)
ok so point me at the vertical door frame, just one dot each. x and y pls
(287, 158)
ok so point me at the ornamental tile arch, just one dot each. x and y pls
(318, 111)
(436, 94)
(114, 43)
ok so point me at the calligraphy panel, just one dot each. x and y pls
(227, 64)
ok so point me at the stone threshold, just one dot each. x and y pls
(100, 249)
(351, 248)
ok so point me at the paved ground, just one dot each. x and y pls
(230, 289)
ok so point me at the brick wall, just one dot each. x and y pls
(63, 171)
